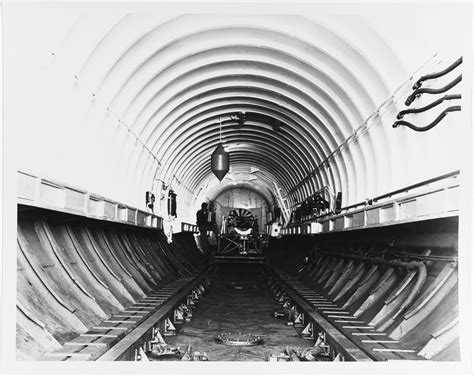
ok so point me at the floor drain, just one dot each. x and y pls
(238, 339)
(241, 285)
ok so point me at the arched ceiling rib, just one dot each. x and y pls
(288, 142)
(268, 61)
(175, 80)
(260, 156)
(150, 58)
(304, 120)
(229, 186)
(290, 134)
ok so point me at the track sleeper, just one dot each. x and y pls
(122, 321)
(98, 335)
(109, 328)
(85, 344)
(68, 354)
(395, 350)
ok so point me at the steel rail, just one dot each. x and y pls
(338, 340)
(355, 337)
(124, 349)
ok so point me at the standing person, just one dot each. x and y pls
(255, 229)
(205, 225)
(255, 232)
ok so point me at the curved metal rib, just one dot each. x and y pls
(30, 315)
(419, 268)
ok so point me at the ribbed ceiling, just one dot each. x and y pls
(117, 99)
(180, 84)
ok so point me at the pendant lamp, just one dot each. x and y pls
(220, 162)
(220, 158)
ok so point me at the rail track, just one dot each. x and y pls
(122, 335)
(315, 309)
(346, 337)
(88, 292)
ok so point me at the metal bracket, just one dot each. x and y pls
(299, 320)
(308, 331)
(178, 316)
(140, 355)
(169, 329)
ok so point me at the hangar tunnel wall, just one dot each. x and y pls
(123, 100)
(71, 276)
(109, 102)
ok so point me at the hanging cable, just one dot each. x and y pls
(429, 126)
(418, 92)
(431, 105)
(418, 83)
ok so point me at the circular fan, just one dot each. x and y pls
(241, 219)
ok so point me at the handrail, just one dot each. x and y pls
(87, 196)
(190, 225)
(417, 84)
(417, 92)
(430, 125)
(424, 182)
(401, 190)
(389, 194)
(425, 108)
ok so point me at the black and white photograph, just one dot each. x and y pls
(237, 187)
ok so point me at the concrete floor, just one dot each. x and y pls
(248, 311)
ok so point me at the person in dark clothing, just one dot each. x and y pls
(255, 229)
(201, 215)
(205, 223)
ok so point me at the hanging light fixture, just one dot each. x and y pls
(220, 158)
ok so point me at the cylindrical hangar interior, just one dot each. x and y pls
(267, 182)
